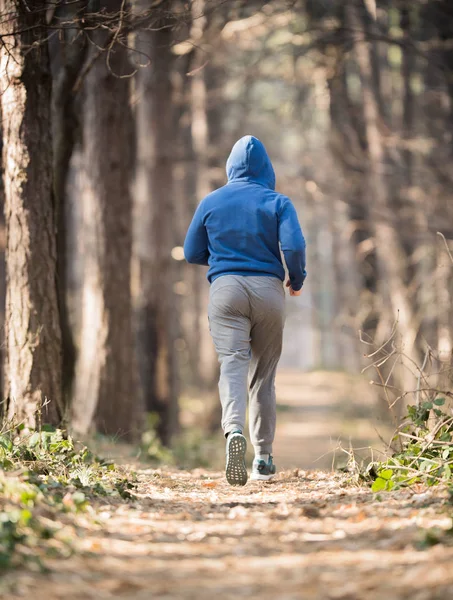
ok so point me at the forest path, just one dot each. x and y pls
(311, 535)
(320, 416)
(320, 412)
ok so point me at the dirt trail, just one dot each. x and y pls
(308, 535)
(321, 410)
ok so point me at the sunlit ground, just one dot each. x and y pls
(313, 534)
(323, 418)
(321, 415)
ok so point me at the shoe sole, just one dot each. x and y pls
(236, 471)
(254, 477)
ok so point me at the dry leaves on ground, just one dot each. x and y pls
(307, 534)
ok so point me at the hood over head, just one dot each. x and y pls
(248, 161)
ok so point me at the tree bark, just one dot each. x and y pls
(68, 52)
(32, 328)
(407, 70)
(391, 257)
(106, 383)
(443, 285)
(443, 13)
(355, 269)
(2, 276)
(202, 129)
(155, 316)
(185, 191)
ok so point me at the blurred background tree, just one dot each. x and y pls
(354, 100)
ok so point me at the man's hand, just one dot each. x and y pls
(291, 291)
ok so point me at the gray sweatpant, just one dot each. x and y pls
(246, 318)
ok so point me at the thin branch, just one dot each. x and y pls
(419, 378)
(446, 245)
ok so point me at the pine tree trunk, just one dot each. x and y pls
(443, 14)
(407, 71)
(185, 192)
(32, 328)
(106, 384)
(354, 274)
(389, 248)
(347, 288)
(155, 306)
(202, 131)
(443, 286)
(67, 52)
(2, 277)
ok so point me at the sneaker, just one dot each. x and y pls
(262, 470)
(236, 447)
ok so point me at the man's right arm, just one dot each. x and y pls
(196, 243)
(292, 243)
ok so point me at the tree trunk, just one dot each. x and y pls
(106, 382)
(325, 298)
(2, 278)
(185, 192)
(355, 268)
(443, 285)
(443, 13)
(155, 315)
(190, 317)
(33, 335)
(209, 368)
(407, 70)
(389, 248)
(347, 288)
(68, 52)
(444, 25)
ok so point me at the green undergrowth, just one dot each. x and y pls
(191, 447)
(46, 481)
(424, 451)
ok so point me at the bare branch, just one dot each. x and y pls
(446, 245)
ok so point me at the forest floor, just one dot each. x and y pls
(310, 534)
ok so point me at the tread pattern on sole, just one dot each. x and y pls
(236, 471)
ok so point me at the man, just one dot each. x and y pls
(238, 231)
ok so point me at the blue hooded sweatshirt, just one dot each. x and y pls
(239, 228)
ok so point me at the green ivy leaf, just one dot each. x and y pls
(6, 443)
(25, 516)
(386, 474)
(379, 485)
(382, 485)
(48, 428)
(34, 439)
(439, 401)
(426, 465)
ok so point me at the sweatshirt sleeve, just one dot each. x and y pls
(196, 242)
(292, 243)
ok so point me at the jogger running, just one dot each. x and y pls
(240, 231)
